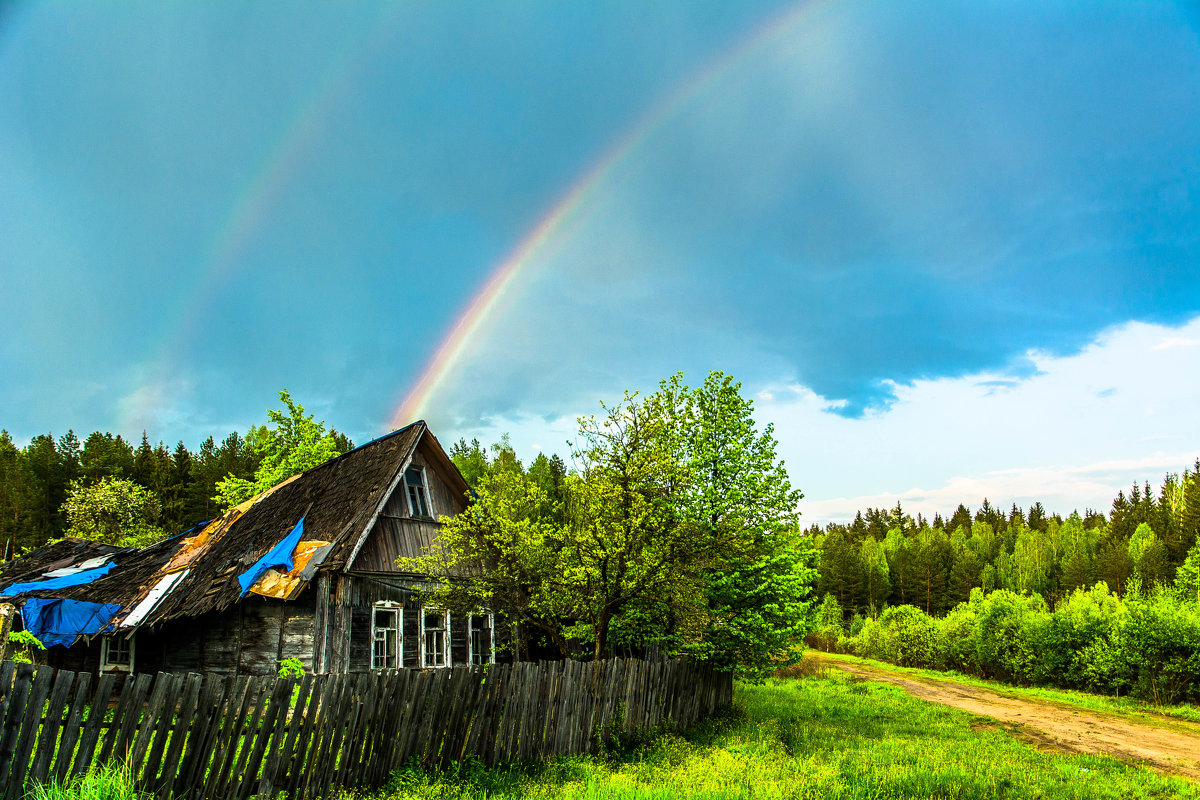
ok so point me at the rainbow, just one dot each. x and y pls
(568, 210)
(283, 159)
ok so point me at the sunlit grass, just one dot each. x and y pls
(820, 737)
(102, 783)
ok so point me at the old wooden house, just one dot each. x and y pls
(306, 570)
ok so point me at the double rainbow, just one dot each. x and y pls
(480, 311)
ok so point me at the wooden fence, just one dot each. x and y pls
(209, 736)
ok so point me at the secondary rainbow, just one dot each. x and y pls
(480, 310)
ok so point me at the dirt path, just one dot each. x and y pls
(1173, 748)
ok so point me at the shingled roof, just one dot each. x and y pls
(337, 500)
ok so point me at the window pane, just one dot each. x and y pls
(386, 637)
(416, 492)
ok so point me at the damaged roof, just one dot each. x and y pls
(188, 575)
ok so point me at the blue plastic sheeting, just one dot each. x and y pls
(279, 556)
(78, 579)
(57, 621)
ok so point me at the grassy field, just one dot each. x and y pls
(828, 736)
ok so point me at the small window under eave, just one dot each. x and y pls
(418, 493)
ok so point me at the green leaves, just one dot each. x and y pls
(295, 443)
(113, 510)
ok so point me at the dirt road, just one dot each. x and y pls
(1172, 747)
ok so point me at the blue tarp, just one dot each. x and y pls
(279, 556)
(78, 579)
(57, 621)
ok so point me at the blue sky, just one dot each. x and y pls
(952, 249)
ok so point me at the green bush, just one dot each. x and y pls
(909, 636)
(1145, 645)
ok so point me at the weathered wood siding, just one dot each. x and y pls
(392, 538)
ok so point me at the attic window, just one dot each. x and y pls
(418, 497)
(116, 654)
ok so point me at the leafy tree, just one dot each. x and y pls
(877, 583)
(114, 511)
(677, 531)
(1187, 578)
(104, 456)
(841, 571)
(961, 518)
(1148, 555)
(293, 443)
(471, 460)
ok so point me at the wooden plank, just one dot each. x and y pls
(259, 689)
(172, 709)
(112, 732)
(72, 727)
(356, 749)
(276, 768)
(183, 713)
(281, 698)
(458, 683)
(12, 721)
(133, 716)
(319, 736)
(48, 739)
(8, 670)
(300, 764)
(205, 724)
(230, 737)
(332, 775)
(154, 713)
(97, 711)
(384, 748)
(415, 714)
(324, 756)
(39, 690)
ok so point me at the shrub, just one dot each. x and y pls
(909, 636)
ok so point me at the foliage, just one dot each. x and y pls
(114, 511)
(1147, 644)
(676, 532)
(106, 782)
(23, 645)
(292, 443)
(291, 668)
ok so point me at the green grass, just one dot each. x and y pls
(104, 783)
(1122, 706)
(820, 737)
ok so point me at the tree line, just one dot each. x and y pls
(885, 557)
(104, 487)
(1095, 602)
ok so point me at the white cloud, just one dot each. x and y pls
(1060, 436)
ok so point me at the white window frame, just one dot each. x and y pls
(388, 605)
(491, 629)
(109, 666)
(425, 654)
(423, 487)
